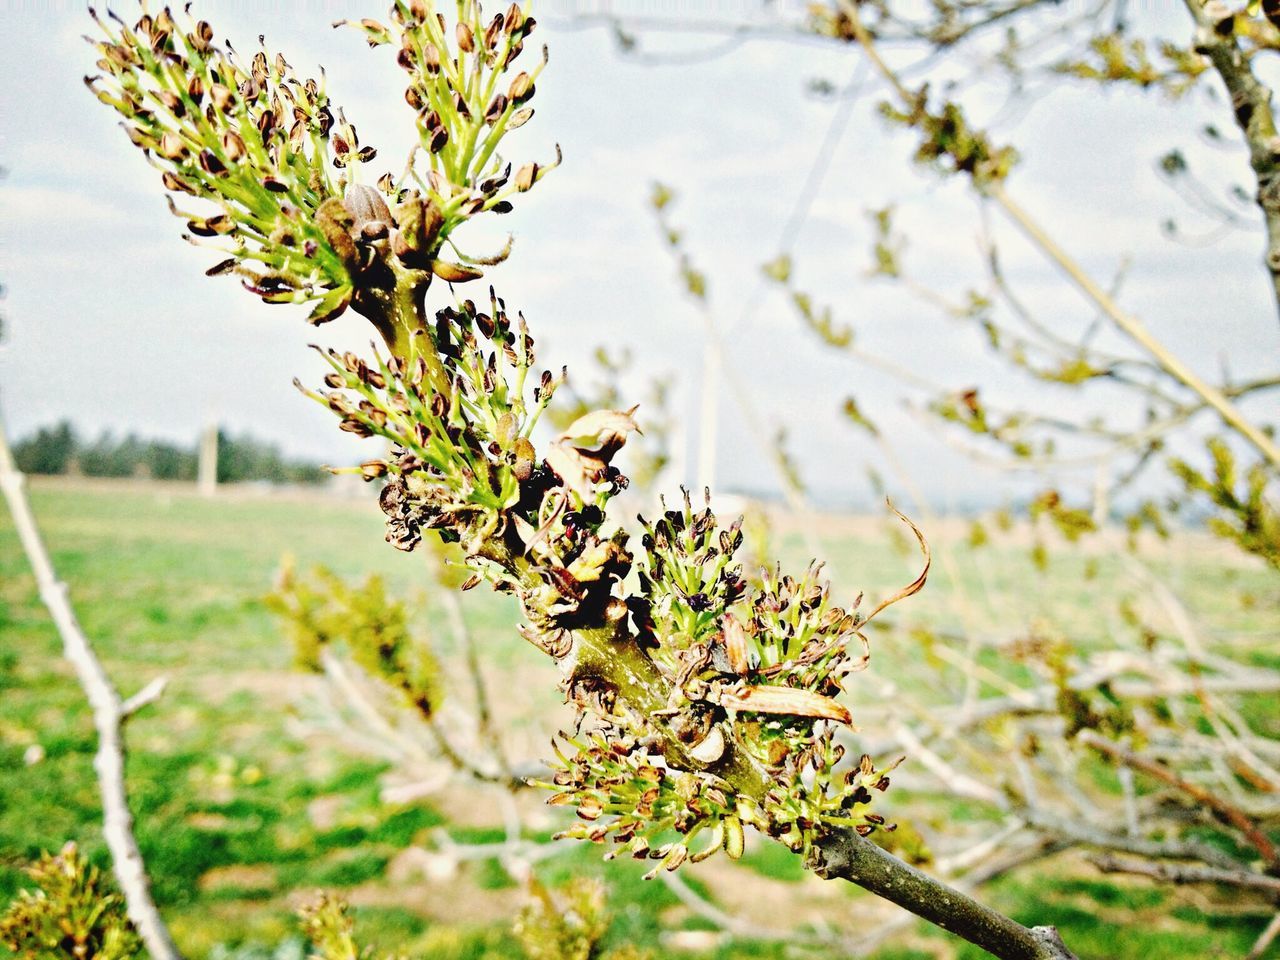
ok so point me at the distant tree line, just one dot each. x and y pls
(59, 450)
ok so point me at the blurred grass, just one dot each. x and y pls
(237, 816)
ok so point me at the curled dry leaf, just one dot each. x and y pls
(580, 455)
(915, 585)
(735, 644)
(786, 701)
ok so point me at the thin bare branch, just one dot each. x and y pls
(1187, 873)
(1251, 105)
(1265, 939)
(1228, 812)
(846, 855)
(109, 715)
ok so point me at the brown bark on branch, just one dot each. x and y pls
(109, 716)
(1226, 811)
(847, 856)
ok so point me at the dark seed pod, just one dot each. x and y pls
(373, 469)
(466, 38)
(210, 163)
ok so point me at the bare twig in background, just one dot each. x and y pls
(1137, 331)
(1187, 873)
(480, 689)
(1251, 103)
(1265, 939)
(109, 716)
(1228, 812)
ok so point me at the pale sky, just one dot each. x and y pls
(111, 323)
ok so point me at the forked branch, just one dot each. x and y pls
(109, 716)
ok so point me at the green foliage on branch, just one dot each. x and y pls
(71, 915)
(701, 708)
(323, 609)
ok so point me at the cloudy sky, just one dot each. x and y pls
(111, 323)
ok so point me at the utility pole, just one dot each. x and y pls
(207, 463)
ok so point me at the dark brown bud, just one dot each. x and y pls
(491, 32)
(373, 469)
(195, 89)
(496, 108)
(221, 96)
(266, 124)
(234, 145)
(514, 18)
(221, 267)
(418, 10)
(172, 147)
(466, 38)
(173, 103)
(211, 226)
(438, 139)
(430, 58)
(210, 163)
(175, 183)
(352, 425)
(202, 36)
(526, 176)
(521, 87)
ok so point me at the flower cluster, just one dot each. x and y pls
(464, 101)
(322, 610)
(276, 171)
(456, 416)
(622, 791)
(756, 674)
(71, 914)
(704, 704)
(249, 140)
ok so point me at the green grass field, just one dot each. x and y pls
(239, 812)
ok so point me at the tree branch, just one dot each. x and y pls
(1260, 841)
(608, 653)
(1251, 105)
(109, 715)
(847, 856)
(1129, 324)
(1135, 329)
(1187, 873)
